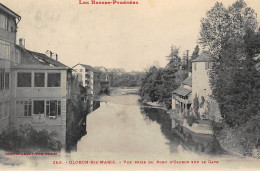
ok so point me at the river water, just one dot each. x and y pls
(123, 130)
(134, 137)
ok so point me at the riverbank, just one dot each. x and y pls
(117, 95)
(236, 142)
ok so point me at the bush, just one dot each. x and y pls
(26, 137)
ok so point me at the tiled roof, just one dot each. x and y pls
(45, 60)
(204, 57)
(182, 91)
(188, 81)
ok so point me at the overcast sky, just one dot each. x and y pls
(132, 37)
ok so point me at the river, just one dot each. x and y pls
(129, 136)
(122, 129)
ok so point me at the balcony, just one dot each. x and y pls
(185, 100)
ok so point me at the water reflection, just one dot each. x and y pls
(79, 127)
(180, 135)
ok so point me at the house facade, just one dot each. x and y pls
(34, 88)
(182, 97)
(89, 78)
(197, 87)
(39, 92)
(201, 80)
(8, 57)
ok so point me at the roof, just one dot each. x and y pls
(37, 67)
(45, 60)
(8, 11)
(182, 91)
(204, 57)
(188, 81)
(88, 67)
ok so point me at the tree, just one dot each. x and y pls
(174, 59)
(196, 106)
(234, 80)
(159, 83)
(221, 25)
(195, 54)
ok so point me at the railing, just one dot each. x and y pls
(186, 101)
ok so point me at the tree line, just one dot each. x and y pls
(159, 83)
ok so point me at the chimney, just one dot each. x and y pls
(56, 57)
(22, 42)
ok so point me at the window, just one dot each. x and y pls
(3, 22)
(53, 108)
(38, 107)
(4, 51)
(80, 70)
(6, 80)
(12, 26)
(24, 80)
(1, 110)
(39, 79)
(206, 65)
(24, 108)
(195, 66)
(54, 80)
(2, 80)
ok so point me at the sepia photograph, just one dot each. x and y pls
(130, 85)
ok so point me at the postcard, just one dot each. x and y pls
(130, 85)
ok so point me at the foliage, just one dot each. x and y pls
(195, 54)
(221, 25)
(196, 105)
(159, 83)
(77, 109)
(202, 102)
(212, 112)
(234, 85)
(230, 35)
(26, 137)
(125, 79)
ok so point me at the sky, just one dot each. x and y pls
(132, 37)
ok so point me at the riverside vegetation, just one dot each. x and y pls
(232, 36)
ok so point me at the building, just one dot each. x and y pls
(201, 88)
(89, 77)
(8, 58)
(197, 87)
(181, 97)
(39, 93)
(200, 76)
(34, 87)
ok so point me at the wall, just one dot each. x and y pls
(79, 72)
(200, 81)
(57, 124)
(7, 40)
